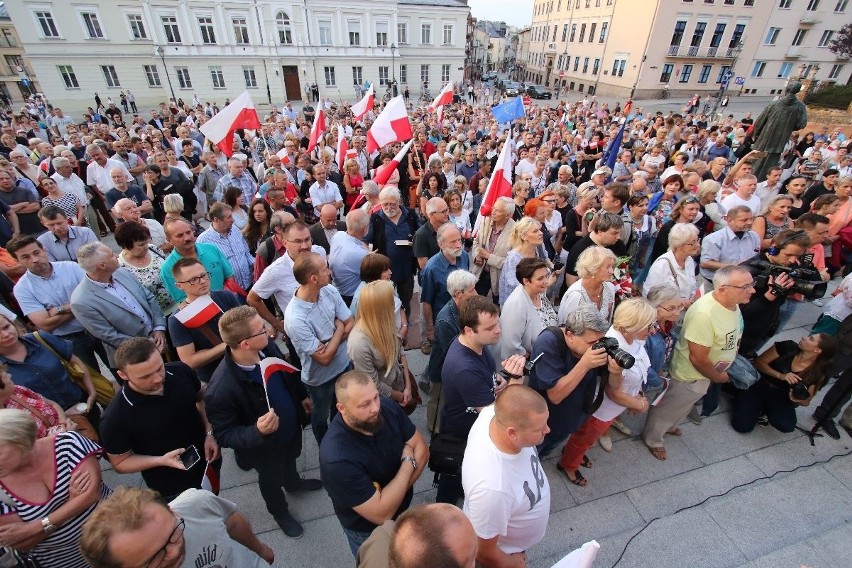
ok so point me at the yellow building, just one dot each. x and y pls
(17, 80)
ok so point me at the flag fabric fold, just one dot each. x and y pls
(392, 125)
(445, 97)
(198, 312)
(342, 146)
(384, 173)
(271, 365)
(612, 152)
(508, 111)
(239, 114)
(210, 480)
(500, 184)
(317, 128)
(365, 105)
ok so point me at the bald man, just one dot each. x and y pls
(507, 521)
(324, 230)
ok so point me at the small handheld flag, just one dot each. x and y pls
(268, 367)
(198, 312)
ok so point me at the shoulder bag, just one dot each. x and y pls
(103, 386)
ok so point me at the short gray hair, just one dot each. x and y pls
(659, 295)
(723, 276)
(591, 259)
(507, 204)
(356, 221)
(584, 319)
(369, 187)
(681, 234)
(17, 428)
(460, 280)
(91, 254)
(433, 204)
(60, 163)
(442, 230)
(390, 192)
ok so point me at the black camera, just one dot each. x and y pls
(558, 264)
(528, 367)
(806, 279)
(624, 359)
(800, 391)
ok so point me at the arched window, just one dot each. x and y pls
(285, 35)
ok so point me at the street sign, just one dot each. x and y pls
(724, 84)
(739, 81)
(561, 74)
(727, 76)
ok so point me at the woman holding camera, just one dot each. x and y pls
(790, 376)
(631, 325)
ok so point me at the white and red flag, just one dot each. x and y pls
(384, 172)
(445, 97)
(365, 105)
(210, 480)
(317, 128)
(391, 125)
(500, 184)
(198, 312)
(342, 146)
(239, 114)
(271, 365)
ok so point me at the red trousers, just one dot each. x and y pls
(580, 442)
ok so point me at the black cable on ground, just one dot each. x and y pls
(649, 523)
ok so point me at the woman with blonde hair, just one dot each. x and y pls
(774, 218)
(352, 182)
(375, 348)
(706, 194)
(593, 289)
(520, 193)
(173, 207)
(526, 240)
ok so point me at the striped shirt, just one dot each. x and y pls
(62, 548)
(235, 248)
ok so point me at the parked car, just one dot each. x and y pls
(511, 88)
(539, 92)
(489, 75)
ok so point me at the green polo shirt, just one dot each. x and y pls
(213, 260)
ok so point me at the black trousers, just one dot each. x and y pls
(763, 398)
(275, 473)
(836, 397)
(405, 290)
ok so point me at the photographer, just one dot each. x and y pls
(790, 376)
(567, 371)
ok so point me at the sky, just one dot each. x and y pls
(514, 12)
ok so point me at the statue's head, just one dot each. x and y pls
(793, 87)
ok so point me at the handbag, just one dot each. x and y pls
(103, 386)
(9, 557)
(446, 452)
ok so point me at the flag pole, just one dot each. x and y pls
(266, 392)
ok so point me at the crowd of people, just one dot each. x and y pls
(254, 293)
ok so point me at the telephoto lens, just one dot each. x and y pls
(624, 359)
(800, 391)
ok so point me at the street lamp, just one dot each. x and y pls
(393, 61)
(723, 87)
(162, 53)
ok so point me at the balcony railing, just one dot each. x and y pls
(793, 53)
(808, 20)
(702, 52)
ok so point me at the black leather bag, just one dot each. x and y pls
(446, 453)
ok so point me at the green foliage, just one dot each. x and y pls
(833, 96)
(842, 43)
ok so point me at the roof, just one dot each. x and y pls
(4, 12)
(444, 3)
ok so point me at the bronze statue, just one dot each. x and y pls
(773, 127)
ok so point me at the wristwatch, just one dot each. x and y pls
(208, 433)
(410, 459)
(60, 309)
(49, 528)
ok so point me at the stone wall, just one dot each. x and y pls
(819, 117)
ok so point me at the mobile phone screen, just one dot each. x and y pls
(190, 457)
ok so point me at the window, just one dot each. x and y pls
(739, 30)
(354, 29)
(841, 6)
(426, 34)
(698, 34)
(748, 2)
(677, 35)
(564, 33)
(249, 77)
(68, 77)
(685, 73)
(585, 65)
(576, 63)
(110, 76)
(800, 36)
(618, 67)
(402, 33)
(424, 73)
(184, 81)
(705, 73)
(330, 79)
(772, 36)
(381, 34)
(170, 28)
(325, 32)
(217, 77)
(240, 31)
(208, 36)
(383, 75)
(93, 26)
(666, 75)
(8, 39)
(448, 34)
(758, 69)
(835, 71)
(592, 32)
(285, 32)
(716, 39)
(825, 38)
(723, 72)
(596, 66)
(357, 75)
(49, 29)
(445, 73)
(785, 70)
(152, 75)
(785, 4)
(403, 73)
(729, 2)
(573, 32)
(812, 5)
(137, 27)
(582, 32)
(604, 27)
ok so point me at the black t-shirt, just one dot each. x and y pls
(786, 350)
(352, 463)
(154, 425)
(619, 249)
(468, 382)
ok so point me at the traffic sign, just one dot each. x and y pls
(739, 81)
(561, 74)
(727, 76)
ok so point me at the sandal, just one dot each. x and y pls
(659, 453)
(578, 480)
(587, 463)
(675, 432)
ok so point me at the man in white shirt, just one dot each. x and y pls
(324, 191)
(99, 168)
(768, 189)
(744, 195)
(507, 495)
(126, 210)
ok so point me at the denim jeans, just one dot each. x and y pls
(325, 407)
(355, 539)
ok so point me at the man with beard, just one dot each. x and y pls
(370, 458)
(451, 257)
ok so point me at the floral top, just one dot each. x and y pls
(149, 277)
(663, 211)
(45, 416)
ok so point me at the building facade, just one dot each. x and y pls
(17, 79)
(216, 49)
(643, 48)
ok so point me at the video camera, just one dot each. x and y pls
(806, 278)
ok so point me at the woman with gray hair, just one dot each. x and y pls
(677, 266)
(49, 488)
(593, 289)
(660, 343)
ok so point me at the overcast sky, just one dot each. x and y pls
(513, 12)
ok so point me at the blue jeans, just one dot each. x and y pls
(355, 539)
(325, 407)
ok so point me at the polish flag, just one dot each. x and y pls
(365, 105)
(440, 113)
(383, 173)
(271, 365)
(239, 114)
(317, 128)
(500, 184)
(285, 157)
(445, 97)
(198, 312)
(391, 125)
(210, 480)
(342, 147)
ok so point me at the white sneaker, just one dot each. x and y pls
(606, 442)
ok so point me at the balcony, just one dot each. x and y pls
(793, 52)
(808, 20)
(690, 52)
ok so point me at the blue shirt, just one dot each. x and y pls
(434, 279)
(57, 250)
(468, 382)
(724, 246)
(401, 256)
(35, 294)
(43, 373)
(213, 260)
(134, 193)
(235, 248)
(344, 259)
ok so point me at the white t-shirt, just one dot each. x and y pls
(632, 378)
(733, 200)
(507, 496)
(660, 273)
(278, 279)
(524, 167)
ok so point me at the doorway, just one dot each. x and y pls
(291, 83)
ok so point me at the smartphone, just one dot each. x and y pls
(190, 457)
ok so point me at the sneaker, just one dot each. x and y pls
(817, 302)
(426, 347)
(831, 428)
(425, 386)
(695, 417)
(606, 442)
(304, 485)
(619, 425)
(763, 421)
(290, 526)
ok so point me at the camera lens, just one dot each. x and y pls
(800, 391)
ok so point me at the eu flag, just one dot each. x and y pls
(508, 111)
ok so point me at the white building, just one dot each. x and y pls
(217, 49)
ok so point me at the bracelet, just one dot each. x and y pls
(49, 528)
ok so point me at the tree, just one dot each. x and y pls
(841, 45)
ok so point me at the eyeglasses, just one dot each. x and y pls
(442, 211)
(672, 309)
(748, 286)
(306, 241)
(258, 334)
(195, 280)
(157, 560)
